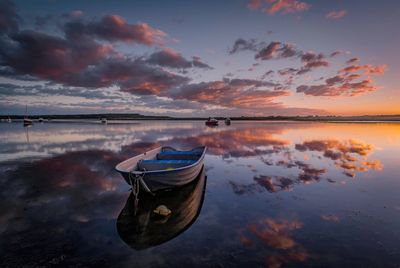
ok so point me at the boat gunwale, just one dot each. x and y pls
(161, 171)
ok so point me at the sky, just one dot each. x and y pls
(200, 58)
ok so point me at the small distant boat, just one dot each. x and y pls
(104, 120)
(9, 120)
(27, 121)
(162, 168)
(41, 120)
(227, 121)
(212, 122)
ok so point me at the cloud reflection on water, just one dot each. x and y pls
(69, 197)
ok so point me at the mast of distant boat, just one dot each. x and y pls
(27, 121)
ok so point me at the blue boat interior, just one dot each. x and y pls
(170, 160)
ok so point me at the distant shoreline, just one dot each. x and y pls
(126, 117)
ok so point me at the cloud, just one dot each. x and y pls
(368, 69)
(353, 60)
(312, 60)
(238, 142)
(276, 50)
(9, 18)
(349, 155)
(279, 50)
(244, 93)
(254, 4)
(172, 59)
(286, 6)
(336, 14)
(243, 44)
(276, 239)
(50, 57)
(73, 14)
(273, 183)
(276, 6)
(79, 60)
(287, 71)
(330, 217)
(346, 89)
(343, 84)
(115, 28)
(130, 75)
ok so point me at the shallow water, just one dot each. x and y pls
(277, 194)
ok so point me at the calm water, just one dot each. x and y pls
(277, 194)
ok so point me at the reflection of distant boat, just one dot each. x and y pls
(162, 168)
(212, 122)
(140, 228)
(227, 121)
(104, 120)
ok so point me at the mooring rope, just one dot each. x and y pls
(135, 184)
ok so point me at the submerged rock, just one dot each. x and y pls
(162, 210)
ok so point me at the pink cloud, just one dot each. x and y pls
(286, 6)
(336, 14)
(240, 93)
(115, 28)
(254, 4)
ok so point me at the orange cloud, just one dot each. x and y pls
(367, 68)
(276, 235)
(349, 155)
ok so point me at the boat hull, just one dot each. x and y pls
(211, 123)
(27, 122)
(162, 179)
(167, 180)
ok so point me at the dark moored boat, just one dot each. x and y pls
(28, 122)
(212, 122)
(162, 168)
(141, 228)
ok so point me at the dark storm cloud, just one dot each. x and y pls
(50, 57)
(79, 60)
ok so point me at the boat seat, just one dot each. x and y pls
(163, 164)
(178, 155)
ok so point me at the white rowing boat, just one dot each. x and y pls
(162, 168)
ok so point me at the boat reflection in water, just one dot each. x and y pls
(141, 228)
